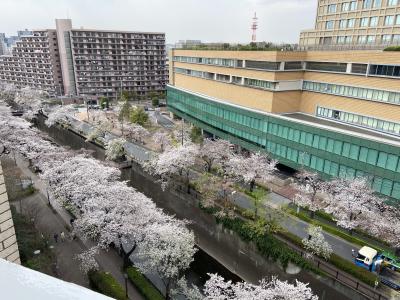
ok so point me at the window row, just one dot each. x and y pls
(367, 39)
(363, 22)
(209, 61)
(254, 83)
(360, 120)
(366, 4)
(354, 92)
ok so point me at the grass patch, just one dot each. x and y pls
(29, 240)
(145, 287)
(105, 283)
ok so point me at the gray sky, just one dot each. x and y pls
(206, 20)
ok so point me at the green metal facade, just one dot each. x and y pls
(294, 144)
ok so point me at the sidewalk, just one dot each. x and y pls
(50, 223)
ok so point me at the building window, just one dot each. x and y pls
(326, 66)
(367, 4)
(351, 22)
(384, 70)
(353, 5)
(345, 6)
(397, 20)
(348, 39)
(392, 2)
(364, 22)
(359, 68)
(263, 65)
(377, 3)
(370, 39)
(386, 38)
(362, 39)
(396, 38)
(236, 80)
(293, 65)
(341, 39)
(329, 24)
(331, 8)
(373, 22)
(343, 24)
(389, 20)
(224, 78)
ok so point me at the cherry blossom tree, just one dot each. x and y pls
(108, 211)
(168, 251)
(316, 243)
(216, 288)
(30, 100)
(349, 199)
(137, 132)
(173, 162)
(162, 139)
(308, 185)
(115, 149)
(61, 114)
(213, 152)
(249, 169)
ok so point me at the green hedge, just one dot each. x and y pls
(392, 48)
(106, 284)
(145, 287)
(267, 245)
(339, 262)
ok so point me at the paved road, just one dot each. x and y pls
(163, 121)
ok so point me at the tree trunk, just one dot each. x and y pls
(126, 255)
(252, 184)
(187, 183)
(168, 290)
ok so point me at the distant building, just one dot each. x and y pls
(87, 62)
(3, 46)
(372, 24)
(187, 43)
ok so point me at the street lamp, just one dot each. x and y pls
(126, 284)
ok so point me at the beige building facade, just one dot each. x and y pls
(341, 24)
(8, 241)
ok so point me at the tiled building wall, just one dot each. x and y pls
(8, 241)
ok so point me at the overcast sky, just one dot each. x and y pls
(206, 20)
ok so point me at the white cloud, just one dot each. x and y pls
(208, 20)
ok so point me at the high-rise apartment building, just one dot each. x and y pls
(34, 62)
(370, 24)
(87, 62)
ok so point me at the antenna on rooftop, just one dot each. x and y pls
(254, 27)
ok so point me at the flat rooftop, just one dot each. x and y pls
(342, 126)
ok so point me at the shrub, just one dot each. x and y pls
(145, 287)
(392, 48)
(104, 283)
